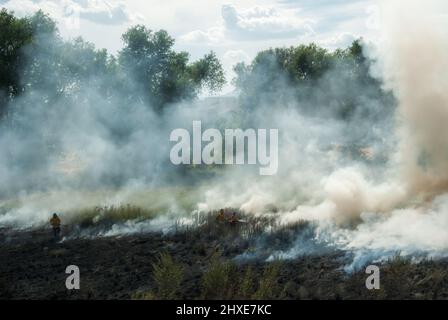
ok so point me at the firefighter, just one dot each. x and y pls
(55, 222)
(221, 216)
(233, 219)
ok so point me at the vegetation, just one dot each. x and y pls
(318, 81)
(109, 214)
(164, 75)
(167, 276)
(147, 69)
(217, 280)
(268, 287)
(247, 285)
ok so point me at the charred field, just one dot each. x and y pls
(210, 260)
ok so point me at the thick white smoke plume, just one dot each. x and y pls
(407, 212)
(415, 64)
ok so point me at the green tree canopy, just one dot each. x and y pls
(34, 58)
(162, 74)
(316, 79)
(15, 33)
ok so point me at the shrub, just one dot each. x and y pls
(246, 288)
(216, 281)
(268, 287)
(167, 277)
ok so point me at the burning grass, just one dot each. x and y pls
(110, 214)
(247, 227)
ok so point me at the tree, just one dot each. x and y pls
(314, 79)
(15, 33)
(162, 75)
(33, 57)
(208, 73)
(26, 53)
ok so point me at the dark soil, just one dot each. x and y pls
(32, 266)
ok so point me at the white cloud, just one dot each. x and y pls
(341, 40)
(24, 7)
(103, 12)
(264, 23)
(212, 35)
(255, 23)
(235, 56)
(112, 12)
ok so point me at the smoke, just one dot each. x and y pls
(415, 65)
(406, 213)
(375, 184)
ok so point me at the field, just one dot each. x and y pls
(204, 260)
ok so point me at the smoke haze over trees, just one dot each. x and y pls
(337, 84)
(34, 57)
(148, 70)
(76, 116)
(58, 96)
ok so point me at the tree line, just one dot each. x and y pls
(34, 58)
(318, 81)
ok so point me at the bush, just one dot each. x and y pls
(167, 277)
(246, 289)
(216, 281)
(268, 287)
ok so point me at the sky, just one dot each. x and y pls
(235, 29)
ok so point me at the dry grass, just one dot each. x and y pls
(249, 226)
(110, 214)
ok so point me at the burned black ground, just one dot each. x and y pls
(32, 266)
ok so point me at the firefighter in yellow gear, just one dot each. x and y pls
(55, 222)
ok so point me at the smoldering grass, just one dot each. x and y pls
(249, 226)
(110, 214)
